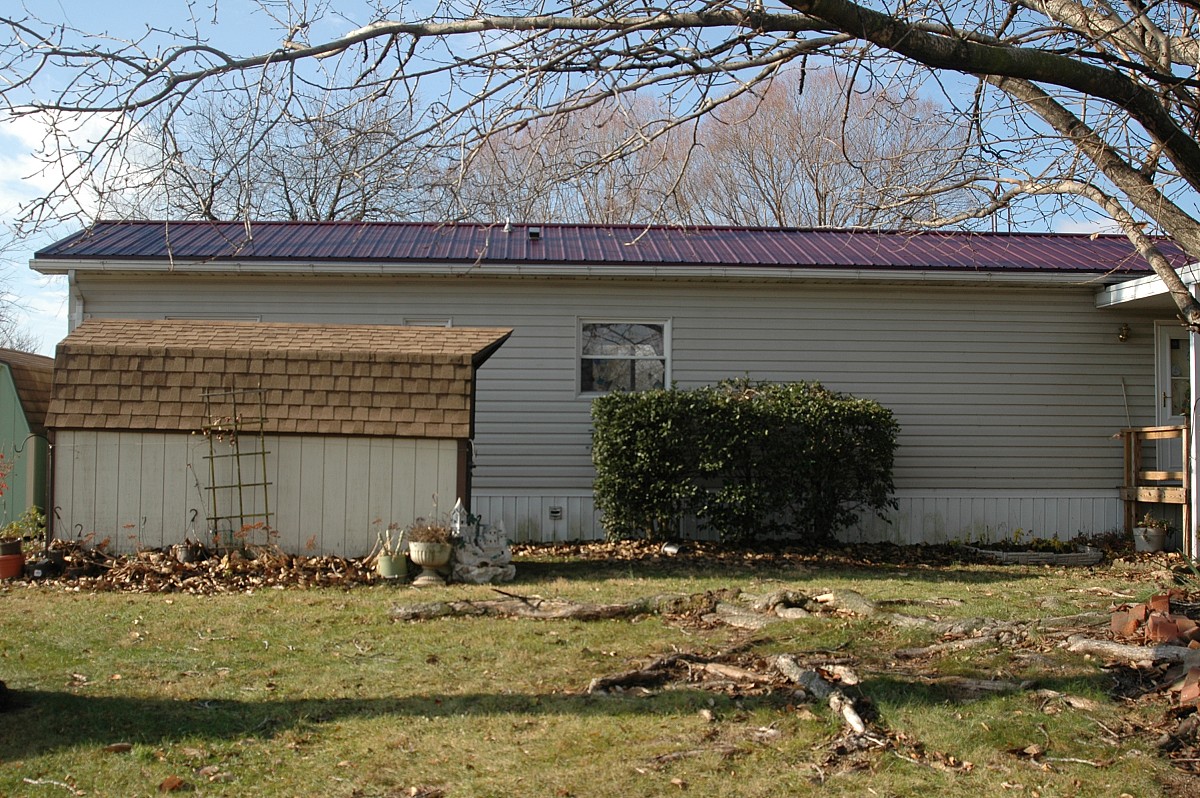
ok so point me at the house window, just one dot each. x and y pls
(623, 356)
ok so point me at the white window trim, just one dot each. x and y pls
(427, 321)
(582, 320)
(211, 317)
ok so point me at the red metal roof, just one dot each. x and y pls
(580, 244)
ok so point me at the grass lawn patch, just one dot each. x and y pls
(285, 692)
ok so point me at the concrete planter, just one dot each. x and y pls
(431, 557)
(1149, 539)
(391, 566)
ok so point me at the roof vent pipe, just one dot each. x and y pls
(535, 233)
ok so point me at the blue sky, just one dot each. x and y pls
(239, 27)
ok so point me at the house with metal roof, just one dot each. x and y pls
(24, 393)
(1011, 361)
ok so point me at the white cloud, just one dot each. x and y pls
(40, 303)
(1093, 225)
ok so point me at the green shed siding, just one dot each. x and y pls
(26, 451)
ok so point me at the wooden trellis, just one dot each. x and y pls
(226, 421)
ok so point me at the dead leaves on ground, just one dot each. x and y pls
(76, 566)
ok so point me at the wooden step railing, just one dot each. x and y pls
(1155, 485)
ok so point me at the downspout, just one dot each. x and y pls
(76, 313)
(51, 511)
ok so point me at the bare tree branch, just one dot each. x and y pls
(1052, 102)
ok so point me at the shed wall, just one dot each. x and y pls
(330, 495)
(27, 480)
(1003, 394)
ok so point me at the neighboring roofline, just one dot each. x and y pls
(32, 377)
(1143, 287)
(595, 271)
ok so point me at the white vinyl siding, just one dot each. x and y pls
(996, 389)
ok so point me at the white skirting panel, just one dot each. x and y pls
(922, 517)
(971, 516)
(531, 518)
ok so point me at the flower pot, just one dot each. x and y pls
(1149, 539)
(391, 566)
(430, 556)
(188, 552)
(11, 565)
(8, 547)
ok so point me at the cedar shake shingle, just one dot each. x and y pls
(33, 376)
(335, 379)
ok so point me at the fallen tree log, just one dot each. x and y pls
(947, 647)
(1122, 651)
(514, 606)
(730, 607)
(663, 668)
(654, 673)
(734, 672)
(816, 684)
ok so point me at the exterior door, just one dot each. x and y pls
(1173, 394)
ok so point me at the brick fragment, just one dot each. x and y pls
(1160, 628)
(1190, 692)
(1124, 623)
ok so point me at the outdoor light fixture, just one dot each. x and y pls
(1124, 333)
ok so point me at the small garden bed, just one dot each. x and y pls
(1083, 555)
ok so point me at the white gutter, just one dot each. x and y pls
(609, 270)
(1143, 287)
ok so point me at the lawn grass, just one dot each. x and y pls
(318, 692)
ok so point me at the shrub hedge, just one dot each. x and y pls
(748, 460)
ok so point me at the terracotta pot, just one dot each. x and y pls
(430, 556)
(11, 565)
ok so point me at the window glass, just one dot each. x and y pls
(1181, 381)
(622, 356)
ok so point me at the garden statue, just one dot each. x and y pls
(481, 551)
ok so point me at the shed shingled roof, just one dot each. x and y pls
(33, 376)
(601, 246)
(374, 380)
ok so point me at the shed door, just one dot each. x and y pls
(1173, 394)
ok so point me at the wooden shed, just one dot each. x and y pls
(166, 429)
(24, 393)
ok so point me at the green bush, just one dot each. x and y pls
(746, 460)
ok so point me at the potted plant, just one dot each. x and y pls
(390, 562)
(1150, 534)
(27, 532)
(11, 559)
(429, 547)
